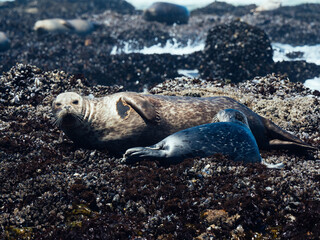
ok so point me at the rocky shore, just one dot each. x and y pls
(53, 189)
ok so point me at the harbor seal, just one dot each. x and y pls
(168, 13)
(4, 42)
(268, 5)
(123, 120)
(79, 26)
(231, 136)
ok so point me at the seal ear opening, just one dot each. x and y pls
(143, 107)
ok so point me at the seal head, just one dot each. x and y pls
(67, 108)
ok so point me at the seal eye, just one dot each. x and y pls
(75, 102)
(58, 104)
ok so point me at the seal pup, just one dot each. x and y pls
(79, 26)
(4, 42)
(230, 136)
(123, 120)
(168, 13)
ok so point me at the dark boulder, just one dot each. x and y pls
(236, 51)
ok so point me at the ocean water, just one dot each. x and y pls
(192, 4)
(309, 53)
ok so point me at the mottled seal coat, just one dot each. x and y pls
(79, 26)
(123, 120)
(168, 13)
(230, 136)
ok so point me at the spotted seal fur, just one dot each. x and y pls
(231, 136)
(123, 120)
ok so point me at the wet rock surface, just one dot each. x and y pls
(52, 189)
(297, 70)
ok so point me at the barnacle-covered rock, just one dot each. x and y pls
(237, 52)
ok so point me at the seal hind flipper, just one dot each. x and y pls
(143, 107)
(281, 139)
(281, 144)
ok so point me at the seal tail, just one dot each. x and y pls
(281, 139)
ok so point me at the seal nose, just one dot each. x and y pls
(67, 107)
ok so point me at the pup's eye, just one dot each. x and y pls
(75, 102)
(58, 104)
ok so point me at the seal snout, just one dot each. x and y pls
(67, 108)
(68, 120)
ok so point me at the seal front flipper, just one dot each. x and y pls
(143, 107)
(137, 154)
(67, 24)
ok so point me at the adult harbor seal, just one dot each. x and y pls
(230, 136)
(123, 120)
(79, 26)
(168, 13)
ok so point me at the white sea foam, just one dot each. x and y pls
(310, 53)
(172, 47)
(313, 83)
(189, 73)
